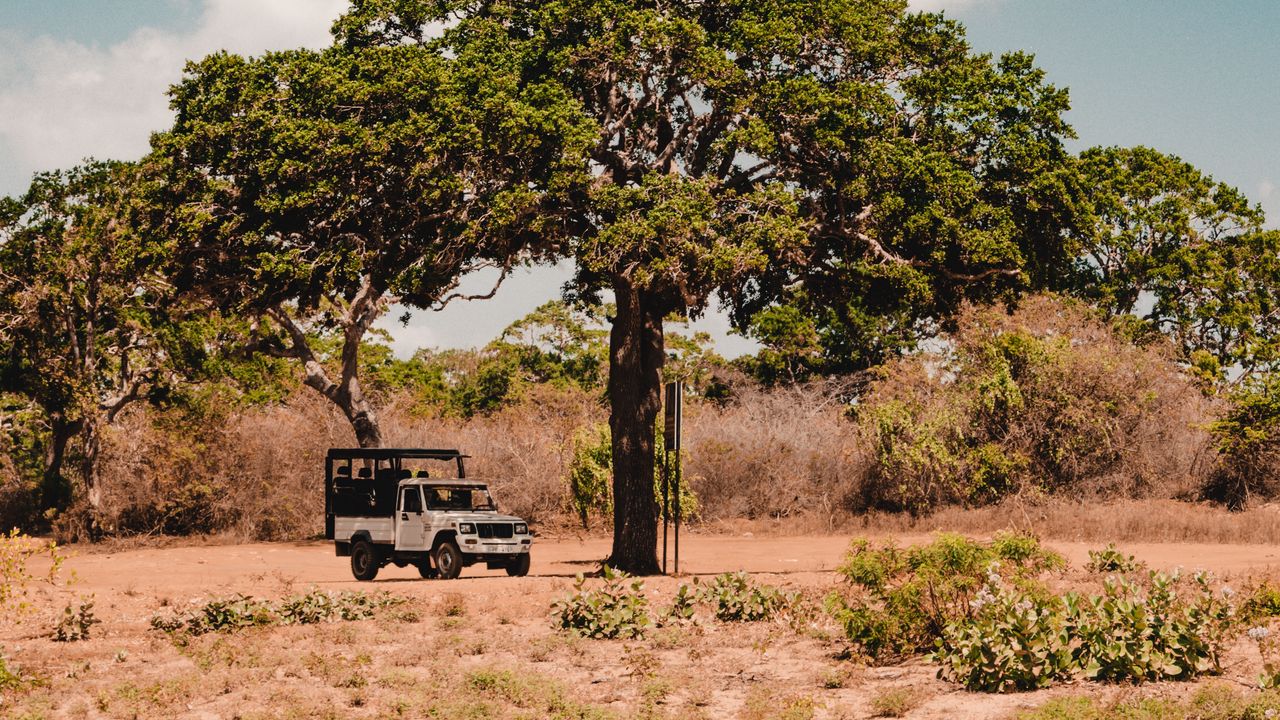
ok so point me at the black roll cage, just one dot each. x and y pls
(392, 457)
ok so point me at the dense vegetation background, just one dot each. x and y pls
(952, 308)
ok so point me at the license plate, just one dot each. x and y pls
(500, 548)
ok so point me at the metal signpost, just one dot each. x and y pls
(671, 470)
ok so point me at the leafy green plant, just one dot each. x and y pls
(617, 609)
(75, 623)
(16, 551)
(683, 606)
(12, 677)
(1269, 649)
(736, 599)
(1111, 560)
(240, 611)
(1014, 641)
(1134, 634)
(591, 475)
(900, 601)
(317, 606)
(1261, 603)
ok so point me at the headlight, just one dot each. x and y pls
(522, 529)
(466, 528)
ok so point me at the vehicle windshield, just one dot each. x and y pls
(458, 498)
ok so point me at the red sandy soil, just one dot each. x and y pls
(713, 673)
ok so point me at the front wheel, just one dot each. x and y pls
(364, 560)
(519, 566)
(448, 560)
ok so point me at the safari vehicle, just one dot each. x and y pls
(415, 506)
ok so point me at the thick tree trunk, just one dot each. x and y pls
(92, 437)
(364, 419)
(55, 491)
(635, 396)
(350, 399)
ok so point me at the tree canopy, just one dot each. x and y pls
(88, 320)
(311, 190)
(1185, 253)
(845, 153)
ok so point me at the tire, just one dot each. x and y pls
(448, 560)
(427, 570)
(365, 562)
(519, 566)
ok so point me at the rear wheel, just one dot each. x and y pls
(364, 560)
(519, 565)
(449, 560)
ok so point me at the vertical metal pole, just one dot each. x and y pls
(666, 508)
(674, 391)
(677, 495)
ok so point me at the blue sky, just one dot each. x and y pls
(1190, 77)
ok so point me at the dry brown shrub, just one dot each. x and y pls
(258, 472)
(1046, 399)
(1097, 418)
(523, 451)
(775, 453)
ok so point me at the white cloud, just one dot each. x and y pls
(62, 101)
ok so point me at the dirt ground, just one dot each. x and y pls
(440, 657)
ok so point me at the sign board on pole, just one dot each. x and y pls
(672, 407)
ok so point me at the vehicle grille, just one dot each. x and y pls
(488, 531)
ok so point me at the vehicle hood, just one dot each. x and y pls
(479, 517)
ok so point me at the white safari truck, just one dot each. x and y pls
(415, 506)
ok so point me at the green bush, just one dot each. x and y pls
(1262, 602)
(1046, 399)
(1014, 641)
(590, 476)
(900, 601)
(75, 623)
(1134, 634)
(682, 607)
(736, 599)
(617, 609)
(1111, 560)
(240, 611)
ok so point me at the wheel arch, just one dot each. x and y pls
(443, 537)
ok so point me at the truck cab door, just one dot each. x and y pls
(411, 527)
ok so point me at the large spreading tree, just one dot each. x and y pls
(1184, 254)
(89, 323)
(310, 190)
(843, 151)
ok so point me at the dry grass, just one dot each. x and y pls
(787, 460)
(1121, 520)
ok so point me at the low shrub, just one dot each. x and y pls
(16, 552)
(1134, 634)
(1261, 603)
(683, 606)
(1111, 560)
(75, 623)
(1269, 649)
(735, 598)
(900, 601)
(616, 609)
(1014, 641)
(241, 611)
